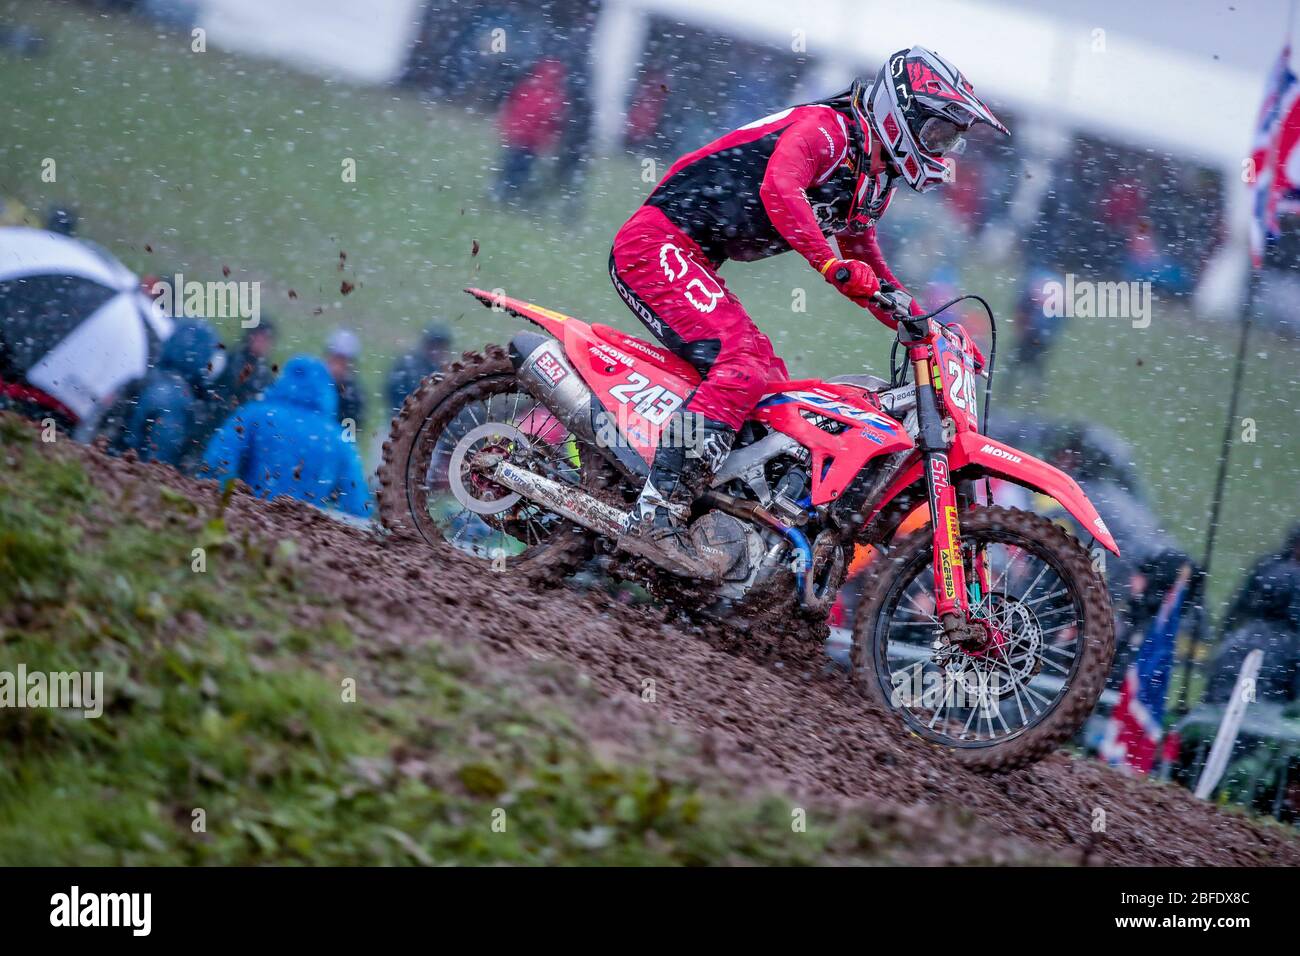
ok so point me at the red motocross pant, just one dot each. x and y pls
(670, 285)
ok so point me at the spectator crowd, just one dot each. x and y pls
(205, 409)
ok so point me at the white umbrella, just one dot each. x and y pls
(73, 321)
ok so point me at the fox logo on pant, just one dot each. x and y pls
(696, 292)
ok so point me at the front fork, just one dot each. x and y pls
(949, 573)
(952, 593)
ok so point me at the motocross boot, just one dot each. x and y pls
(691, 449)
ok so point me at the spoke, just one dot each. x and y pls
(1061, 667)
(1068, 655)
(1006, 571)
(458, 429)
(1030, 590)
(1045, 597)
(913, 676)
(1059, 627)
(1015, 686)
(1030, 690)
(559, 461)
(997, 709)
(987, 706)
(540, 533)
(943, 700)
(918, 609)
(1030, 694)
(529, 533)
(974, 712)
(1063, 609)
(909, 610)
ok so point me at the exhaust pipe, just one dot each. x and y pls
(576, 505)
(547, 374)
(563, 499)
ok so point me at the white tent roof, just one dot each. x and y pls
(1182, 77)
(367, 42)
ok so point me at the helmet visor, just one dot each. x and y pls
(939, 135)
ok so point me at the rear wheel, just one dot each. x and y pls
(430, 490)
(1046, 640)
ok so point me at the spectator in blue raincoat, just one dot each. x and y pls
(163, 425)
(290, 443)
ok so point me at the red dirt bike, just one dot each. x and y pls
(988, 631)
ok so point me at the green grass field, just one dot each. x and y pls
(211, 160)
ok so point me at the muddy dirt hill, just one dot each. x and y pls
(781, 723)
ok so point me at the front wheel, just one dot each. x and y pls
(1047, 637)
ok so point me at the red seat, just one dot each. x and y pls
(647, 351)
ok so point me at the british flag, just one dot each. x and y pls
(1274, 173)
(1135, 728)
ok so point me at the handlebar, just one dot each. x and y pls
(915, 328)
(889, 298)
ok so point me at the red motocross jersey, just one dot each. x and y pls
(780, 183)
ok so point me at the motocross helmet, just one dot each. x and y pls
(919, 107)
(871, 191)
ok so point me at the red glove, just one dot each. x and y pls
(860, 281)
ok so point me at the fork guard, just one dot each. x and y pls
(985, 456)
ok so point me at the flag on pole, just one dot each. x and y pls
(1274, 157)
(1135, 727)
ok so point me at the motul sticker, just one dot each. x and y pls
(610, 354)
(1001, 453)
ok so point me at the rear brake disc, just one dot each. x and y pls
(478, 494)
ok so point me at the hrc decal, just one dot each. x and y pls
(834, 407)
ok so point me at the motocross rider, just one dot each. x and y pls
(787, 181)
